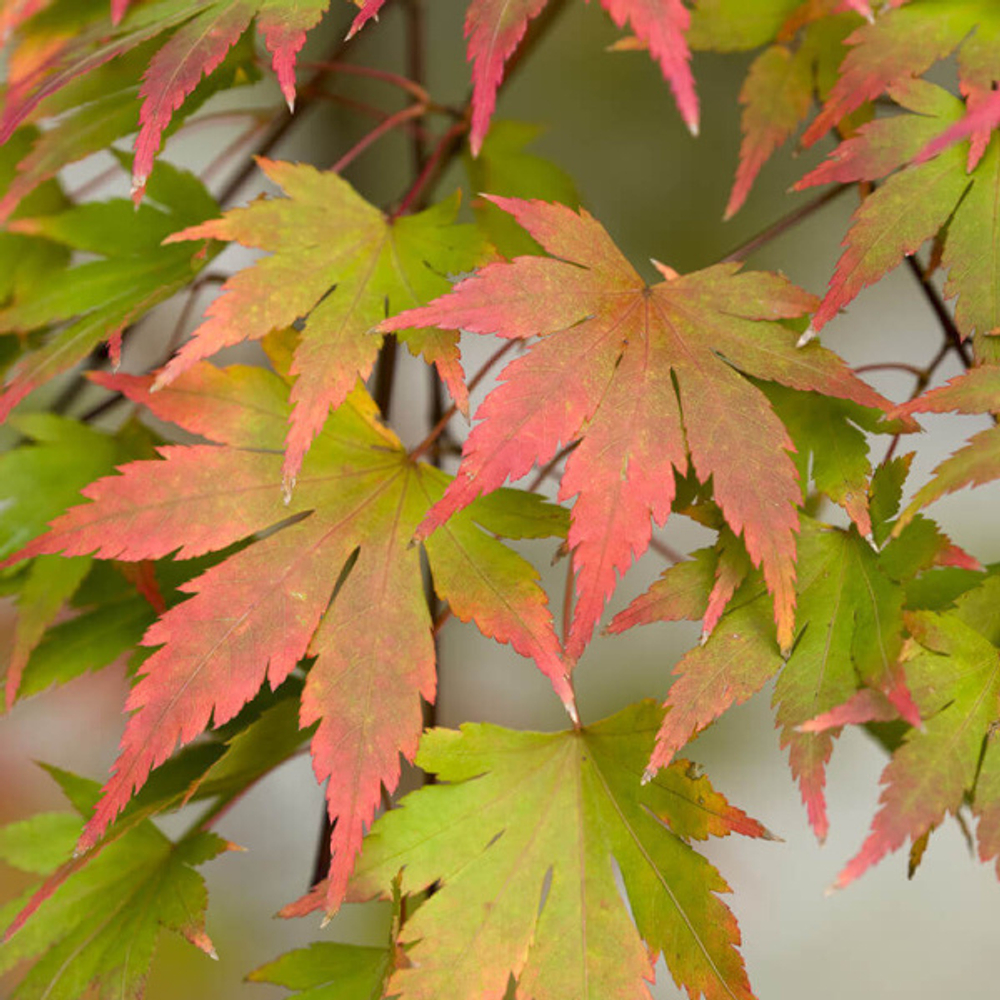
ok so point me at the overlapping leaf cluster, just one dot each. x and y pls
(266, 581)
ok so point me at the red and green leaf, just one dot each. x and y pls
(614, 346)
(520, 842)
(340, 263)
(256, 614)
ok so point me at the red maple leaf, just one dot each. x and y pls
(644, 377)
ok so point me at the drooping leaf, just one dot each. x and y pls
(337, 261)
(776, 96)
(258, 612)
(96, 934)
(956, 681)
(604, 374)
(198, 47)
(524, 842)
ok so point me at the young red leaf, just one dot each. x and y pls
(604, 374)
(494, 28)
(199, 46)
(338, 261)
(520, 837)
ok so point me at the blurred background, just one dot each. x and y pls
(609, 120)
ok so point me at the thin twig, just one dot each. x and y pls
(334, 67)
(383, 128)
(881, 366)
(785, 223)
(436, 163)
(940, 310)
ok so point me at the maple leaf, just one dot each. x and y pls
(198, 47)
(97, 933)
(916, 203)
(978, 462)
(604, 374)
(521, 842)
(347, 971)
(906, 42)
(88, 115)
(851, 633)
(494, 28)
(337, 261)
(776, 96)
(955, 678)
(261, 610)
(203, 33)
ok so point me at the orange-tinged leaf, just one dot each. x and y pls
(520, 842)
(256, 614)
(337, 261)
(604, 373)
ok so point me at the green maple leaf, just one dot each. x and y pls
(95, 301)
(341, 263)
(525, 840)
(329, 971)
(98, 930)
